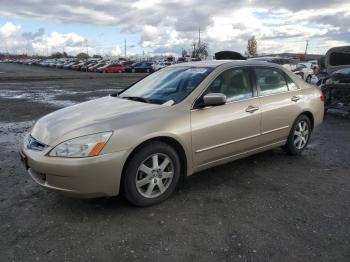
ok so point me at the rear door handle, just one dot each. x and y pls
(251, 109)
(295, 98)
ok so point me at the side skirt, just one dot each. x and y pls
(236, 156)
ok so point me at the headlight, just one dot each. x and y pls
(84, 146)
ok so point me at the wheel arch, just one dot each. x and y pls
(310, 116)
(165, 139)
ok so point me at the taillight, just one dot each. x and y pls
(322, 98)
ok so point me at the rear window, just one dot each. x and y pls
(339, 58)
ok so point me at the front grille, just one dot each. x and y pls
(34, 144)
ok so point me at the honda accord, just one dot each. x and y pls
(175, 122)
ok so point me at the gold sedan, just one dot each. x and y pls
(175, 122)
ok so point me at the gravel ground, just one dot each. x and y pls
(14, 72)
(268, 207)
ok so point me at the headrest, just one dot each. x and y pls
(237, 81)
(270, 80)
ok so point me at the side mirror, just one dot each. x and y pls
(214, 99)
(117, 92)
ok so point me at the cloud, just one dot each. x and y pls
(278, 25)
(37, 42)
(9, 30)
(33, 35)
(116, 51)
(71, 43)
(9, 36)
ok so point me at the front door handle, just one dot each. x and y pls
(251, 109)
(295, 98)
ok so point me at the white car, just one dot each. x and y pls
(305, 71)
(157, 66)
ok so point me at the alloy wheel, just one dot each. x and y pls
(301, 134)
(154, 175)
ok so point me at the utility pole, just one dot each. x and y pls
(199, 36)
(307, 45)
(125, 48)
(87, 48)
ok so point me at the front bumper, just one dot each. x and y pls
(79, 177)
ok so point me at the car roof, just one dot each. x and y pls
(217, 63)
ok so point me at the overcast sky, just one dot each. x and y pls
(160, 27)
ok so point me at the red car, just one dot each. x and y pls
(95, 67)
(112, 68)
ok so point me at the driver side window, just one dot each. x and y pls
(234, 83)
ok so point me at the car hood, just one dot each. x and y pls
(99, 115)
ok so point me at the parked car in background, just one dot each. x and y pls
(78, 65)
(112, 68)
(60, 64)
(305, 71)
(52, 63)
(46, 63)
(128, 64)
(334, 78)
(313, 63)
(68, 66)
(285, 62)
(177, 121)
(94, 68)
(336, 58)
(336, 88)
(160, 65)
(85, 67)
(142, 67)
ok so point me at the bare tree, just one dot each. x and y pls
(82, 56)
(252, 47)
(200, 50)
(59, 55)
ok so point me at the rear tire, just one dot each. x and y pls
(299, 136)
(308, 79)
(151, 174)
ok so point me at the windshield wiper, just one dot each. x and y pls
(136, 98)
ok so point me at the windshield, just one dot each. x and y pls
(344, 71)
(170, 85)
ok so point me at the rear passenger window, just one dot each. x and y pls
(291, 85)
(270, 81)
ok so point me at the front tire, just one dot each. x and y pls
(299, 135)
(151, 174)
